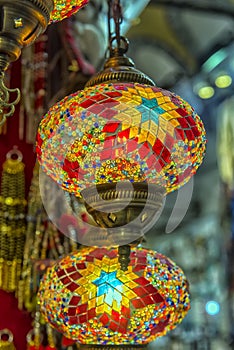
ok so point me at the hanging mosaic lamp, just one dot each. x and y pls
(22, 22)
(65, 8)
(121, 130)
(89, 299)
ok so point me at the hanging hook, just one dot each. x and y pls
(15, 154)
(7, 108)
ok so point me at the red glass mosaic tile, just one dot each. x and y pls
(75, 276)
(113, 326)
(71, 311)
(83, 318)
(182, 111)
(125, 311)
(147, 300)
(139, 291)
(157, 298)
(87, 103)
(75, 300)
(81, 266)
(183, 122)
(115, 315)
(104, 319)
(142, 281)
(72, 286)
(91, 313)
(82, 309)
(111, 127)
(137, 303)
(73, 320)
(158, 146)
(124, 133)
(190, 135)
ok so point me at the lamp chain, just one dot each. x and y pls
(115, 13)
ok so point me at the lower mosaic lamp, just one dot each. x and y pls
(88, 298)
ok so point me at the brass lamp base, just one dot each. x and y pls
(124, 205)
(22, 22)
(126, 210)
(120, 69)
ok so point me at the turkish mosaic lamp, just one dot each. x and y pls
(117, 131)
(22, 23)
(120, 145)
(65, 8)
(145, 139)
(88, 298)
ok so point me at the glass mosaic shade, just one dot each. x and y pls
(89, 299)
(65, 8)
(115, 132)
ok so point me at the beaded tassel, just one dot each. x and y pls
(43, 246)
(35, 336)
(12, 221)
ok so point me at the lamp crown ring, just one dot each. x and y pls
(120, 49)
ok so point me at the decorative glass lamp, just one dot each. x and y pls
(89, 299)
(121, 143)
(65, 8)
(22, 22)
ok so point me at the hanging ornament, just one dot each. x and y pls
(36, 336)
(12, 221)
(44, 244)
(34, 67)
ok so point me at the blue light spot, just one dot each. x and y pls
(212, 308)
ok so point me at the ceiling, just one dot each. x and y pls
(173, 38)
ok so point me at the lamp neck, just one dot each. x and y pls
(118, 67)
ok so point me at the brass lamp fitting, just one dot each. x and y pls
(125, 210)
(22, 21)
